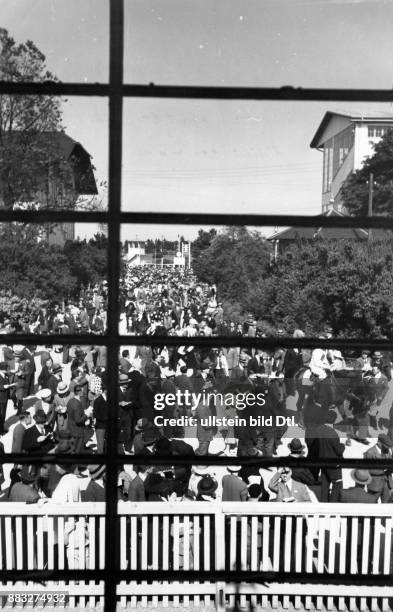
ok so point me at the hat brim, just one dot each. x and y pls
(98, 473)
(361, 482)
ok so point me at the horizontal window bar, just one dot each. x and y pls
(226, 576)
(196, 460)
(47, 215)
(53, 215)
(257, 220)
(151, 90)
(211, 341)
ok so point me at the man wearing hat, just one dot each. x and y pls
(329, 447)
(25, 491)
(22, 376)
(4, 394)
(287, 488)
(233, 487)
(36, 440)
(18, 432)
(137, 444)
(207, 487)
(95, 490)
(100, 414)
(358, 493)
(300, 473)
(54, 378)
(381, 484)
(79, 420)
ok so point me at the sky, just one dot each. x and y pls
(212, 156)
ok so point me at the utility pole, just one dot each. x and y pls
(370, 202)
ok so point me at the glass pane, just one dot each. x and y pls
(258, 43)
(70, 40)
(56, 158)
(44, 379)
(241, 157)
(54, 278)
(213, 281)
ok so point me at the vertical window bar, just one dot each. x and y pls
(115, 153)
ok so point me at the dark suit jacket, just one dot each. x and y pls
(30, 444)
(379, 475)
(330, 447)
(3, 392)
(356, 495)
(136, 490)
(76, 418)
(17, 438)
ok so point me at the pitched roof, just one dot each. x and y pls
(371, 117)
(327, 233)
(65, 147)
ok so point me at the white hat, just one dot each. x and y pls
(44, 394)
(234, 468)
(216, 446)
(62, 387)
(200, 470)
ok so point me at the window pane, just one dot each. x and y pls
(56, 158)
(258, 43)
(243, 157)
(274, 278)
(54, 278)
(70, 40)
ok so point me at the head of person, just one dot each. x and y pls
(25, 418)
(285, 473)
(385, 443)
(255, 491)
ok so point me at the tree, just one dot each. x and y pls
(235, 260)
(27, 160)
(343, 284)
(31, 267)
(355, 189)
(87, 260)
(199, 246)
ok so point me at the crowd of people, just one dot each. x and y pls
(58, 399)
(87, 314)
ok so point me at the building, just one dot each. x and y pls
(283, 239)
(45, 170)
(346, 140)
(135, 255)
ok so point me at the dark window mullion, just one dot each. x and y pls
(115, 154)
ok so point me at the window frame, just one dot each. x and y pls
(115, 91)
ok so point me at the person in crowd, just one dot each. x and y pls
(381, 485)
(358, 493)
(287, 489)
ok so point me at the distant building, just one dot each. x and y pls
(54, 172)
(283, 239)
(346, 140)
(135, 255)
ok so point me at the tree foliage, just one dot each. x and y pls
(27, 161)
(87, 260)
(234, 260)
(355, 190)
(343, 284)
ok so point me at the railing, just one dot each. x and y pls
(305, 543)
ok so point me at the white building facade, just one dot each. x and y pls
(346, 140)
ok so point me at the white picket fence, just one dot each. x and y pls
(291, 538)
